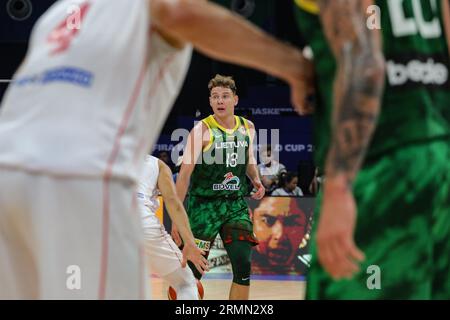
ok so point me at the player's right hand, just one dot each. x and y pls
(192, 253)
(176, 236)
(303, 88)
(336, 248)
(260, 190)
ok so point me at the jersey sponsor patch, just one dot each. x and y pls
(231, 183)
(417, 71)
(65, 74)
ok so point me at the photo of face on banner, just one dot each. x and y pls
(281, 226)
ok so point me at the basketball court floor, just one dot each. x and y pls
(217, 287)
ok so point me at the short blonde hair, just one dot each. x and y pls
(222, 81)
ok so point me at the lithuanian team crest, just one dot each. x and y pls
(231, 183)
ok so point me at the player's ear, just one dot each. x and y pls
(236, 100)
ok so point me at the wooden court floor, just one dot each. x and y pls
(260, 289)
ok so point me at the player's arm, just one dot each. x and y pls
(225, 36)
(358, 84)
(179, 217)
(358, 89)
(196, 141)
(252, 167)
(173, 204)
(192, 151)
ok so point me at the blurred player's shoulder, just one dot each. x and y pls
(311, 6)
(152, 161)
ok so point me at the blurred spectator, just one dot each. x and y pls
(306, 169)
(288, 186)
(269, 169)
(316, 182)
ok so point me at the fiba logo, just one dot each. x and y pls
(19, 9)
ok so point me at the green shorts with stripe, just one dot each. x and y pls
(403, 227)
(229, 217)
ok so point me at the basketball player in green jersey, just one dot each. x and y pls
(384, 225)
(217, 159)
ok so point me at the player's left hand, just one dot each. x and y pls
(192, 253)
(336, 248)
(260, 190)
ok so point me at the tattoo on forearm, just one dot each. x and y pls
(358, 84)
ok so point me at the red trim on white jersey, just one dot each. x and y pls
(107, 178)
(142, 273)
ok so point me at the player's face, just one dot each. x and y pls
(223, 101)
(280, 226)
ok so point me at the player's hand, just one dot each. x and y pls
(260, 190)
(176, 235)
(192, 253)
(336, 248)
(302, 87)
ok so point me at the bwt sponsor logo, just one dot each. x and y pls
(419, 72)
(69, 75)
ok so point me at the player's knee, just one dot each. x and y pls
(241, 273)
(183, 285)
(240, 256)
(181, 277)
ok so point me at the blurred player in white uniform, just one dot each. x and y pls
(164, 257)
(85, 107)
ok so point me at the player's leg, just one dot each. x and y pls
(206, 217)
(18, 261)
(238, 238)
(90, 240)
(164, 259)
(393, 229)
(239, 253)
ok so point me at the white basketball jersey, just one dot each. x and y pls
(147, 192)
(93, 93)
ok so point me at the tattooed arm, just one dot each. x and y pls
(357, 93)
(358, 84)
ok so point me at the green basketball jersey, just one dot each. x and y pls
(221, 169)
(416, 101)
